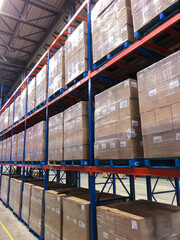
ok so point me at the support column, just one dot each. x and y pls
(132, 187)
(177, 190)
(148, 186)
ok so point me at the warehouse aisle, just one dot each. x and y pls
(11, 228)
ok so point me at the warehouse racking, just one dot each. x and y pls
(83, 89)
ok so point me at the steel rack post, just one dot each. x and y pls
(1, 176)
(148, 187)
(132, 187)
(46, 171)
(91, 133)
(177, 190)
(58, 176)
(1, 95)
(114, 183)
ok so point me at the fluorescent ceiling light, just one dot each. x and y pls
(1, 3)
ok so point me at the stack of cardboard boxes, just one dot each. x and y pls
(29, 144)
(144, 11)
(6, 118)
(107, 37)
(117, 122)
(20, 146)
(76, 53)
(56, 137)
(15, 195)
(41, 86)
(14, 147)
(76, 133)
(138, 220)
(20, 106)
(31, 95)
(56, 72)
(8, 149)
(4, 150)
(159, 99)
(4, 188)
(11, 113)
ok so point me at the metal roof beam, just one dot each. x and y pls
(13, 49)
(3, 14)
(13, 61)
(13, 35)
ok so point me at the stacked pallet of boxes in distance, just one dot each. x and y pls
(159, 99)
(11, 114)
(117, 123)
(41, 86)
(144, 11)
(1, 149)
(20, 106)
(138, 220)
(14, 147)
(54, 210)
(8, 149)
(4, 150)
(15, 195)
(76, 133)
(56, 138)
(56, 72)
(20, 146)
(76, 53)
(6, 118)
(4, 188)
(31, 95)
(29, 144)
(2, 121)
(76, 215)
(108, 37)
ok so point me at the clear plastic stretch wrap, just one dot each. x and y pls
(159, 99)
(14, 148)
(31, 95)
(76, 53)
(20, 146)
(117, 122)
(76, 133)
(1, 149)
(20, 106)
(4, 188)
(56, 137)
(135, 220)
(29, 144)
(39, 136)
(15, 195)
(144, 11)
(2, 122)
(6, 118)
(8, 149)
(36, 212)
(41, 86)
(57, 72)
(26, 201)
(111, 26)
(11, 112)
(4, 151)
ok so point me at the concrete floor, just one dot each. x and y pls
(16, 230)
(19, 232)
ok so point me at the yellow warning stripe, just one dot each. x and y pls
(6, 230)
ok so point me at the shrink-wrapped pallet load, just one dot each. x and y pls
(111, 26)
(159, 99)
(144, 11)
(29, 144)
(14, 148)
(20, 146)
(39, 136)
(11, 113)
(76, 132)
(137, 220)
(20, 106)
(2, 121)
(4, 151)
(4, 188)
(31, 95)
(76, 53)
(15, 195)
(8, 149)
(6, 118)
(56, 72)
(117, 122)
(1, 150)
(56, 137)
(41, 86)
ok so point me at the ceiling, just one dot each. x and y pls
(27, 28)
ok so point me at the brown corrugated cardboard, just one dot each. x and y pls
(15, 195)
(56, 72)
(31, 95)
(20, 106)
(4, 188)
(8, 149)
(107, 37)
(14, 147)
(41, 86)
(4, 150)
(20, 146)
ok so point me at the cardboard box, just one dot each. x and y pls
(8, 149)
(41, 86)
(108, 37)
(6, 118)
(1, 150)
(15, 195)
(20, 146)
(76, 53)
(57, 72)
(144, 11)
(39, 136)
(117, 122)
(29, 144)
(76, 132)
(137, 220)
(20, 106)
(4, 150)
(31, 95)
(14, 147)
(4, 188)
(56, 137)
